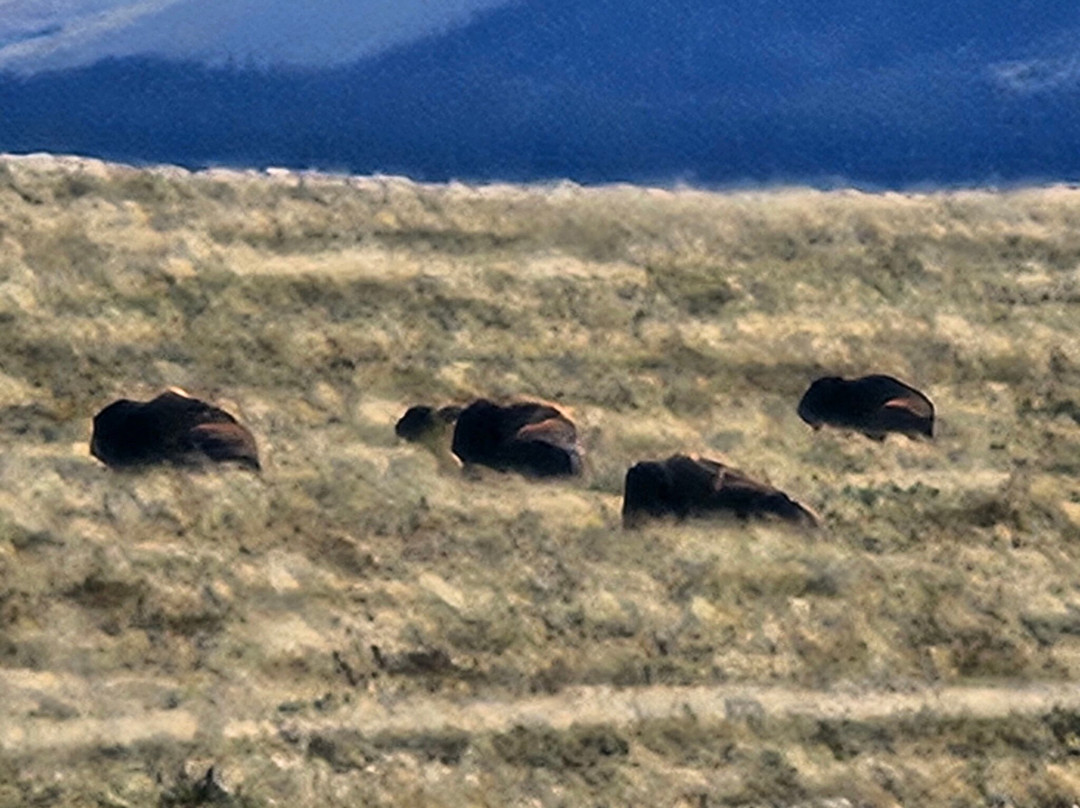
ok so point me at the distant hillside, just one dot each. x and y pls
(599, 91)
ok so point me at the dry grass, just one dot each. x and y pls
(210, 607)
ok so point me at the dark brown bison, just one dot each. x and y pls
(420, 422)
(873, 405)
(528, 437)
(172, 428)
(431, 427)
(684, 486)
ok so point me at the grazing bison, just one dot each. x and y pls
(421, 422)
(873, 405)
(431, 428)
(172, 428)
(683, 487)
(531, 438)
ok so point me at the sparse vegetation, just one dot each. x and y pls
(277, 626)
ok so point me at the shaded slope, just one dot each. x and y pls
(603, 91)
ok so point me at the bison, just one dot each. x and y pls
(872, 405)
(528, 437)
(421, 422)
(172, 428)
(684, 486)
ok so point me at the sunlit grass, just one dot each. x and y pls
(318, 309)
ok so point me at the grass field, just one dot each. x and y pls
(359, 625)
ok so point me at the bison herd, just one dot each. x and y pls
(530, 438)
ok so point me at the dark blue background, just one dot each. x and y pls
(889, 94)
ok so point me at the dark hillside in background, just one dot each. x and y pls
(603, 91)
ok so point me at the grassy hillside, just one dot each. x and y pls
(359, 625)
